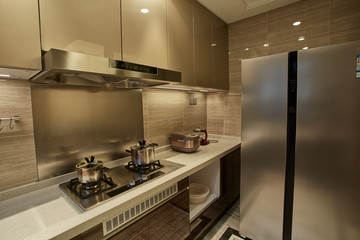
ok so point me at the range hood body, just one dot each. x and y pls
(71, 68)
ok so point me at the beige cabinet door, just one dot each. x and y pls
(144, 34)
(87, 26)
(20, 35)
(220, 56)
(202, 41)
(181, 39)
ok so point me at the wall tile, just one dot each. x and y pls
(215, 124)
(255, 29)
(297, 7)
(232, 123)
(294, 45)
(170, 111)
(344, 21)
(17, 161)
(215, 113)
(17, 146)
(15, 100)
(313, 22)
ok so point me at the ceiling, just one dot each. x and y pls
(234, 10)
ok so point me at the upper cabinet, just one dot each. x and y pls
(181, 39)
(86, 26)
(203, 41)
(144, 32)
(211, 50)
(220, 55)
(180, 35)
(20, 38)
(197, 45)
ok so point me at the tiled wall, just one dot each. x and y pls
(167, 111)
(324, 22)
(17, 149)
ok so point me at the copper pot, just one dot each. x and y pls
(90, 171)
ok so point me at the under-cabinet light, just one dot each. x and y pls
(170, 88)
(144, 10)
(4, 75)
(305, 48)
(301, 38)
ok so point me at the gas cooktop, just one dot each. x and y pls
(115, 181)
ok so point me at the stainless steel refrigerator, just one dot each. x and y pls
(300, 154)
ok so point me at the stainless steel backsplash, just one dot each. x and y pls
(72, 123)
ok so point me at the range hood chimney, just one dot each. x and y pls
(71, 68)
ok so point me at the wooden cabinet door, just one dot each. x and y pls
(181, 39)
(144, 34)
(86, 26)
(230, 177)
(211, 50)
(20, 35)
(203, 41)
(220, 57)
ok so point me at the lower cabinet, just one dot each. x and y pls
(227, 189)
(177, 219)
(169, 221)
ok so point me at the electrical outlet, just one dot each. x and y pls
(193, 101)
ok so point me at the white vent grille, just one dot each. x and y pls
(137, 209)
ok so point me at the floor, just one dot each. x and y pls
(228, 224)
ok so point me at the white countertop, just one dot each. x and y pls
(46, 212)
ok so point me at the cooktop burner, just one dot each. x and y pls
(116, 181)
(86, 190)
(144, 169)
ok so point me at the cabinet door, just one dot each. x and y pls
(20, 35)
(144, 34)
(220, 57)
(203, 40)
(86, 26)
(181, 39)
(230, 177)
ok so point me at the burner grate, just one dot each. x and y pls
(144, 169)
(87, 190)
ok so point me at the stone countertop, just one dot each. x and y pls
(46, 212)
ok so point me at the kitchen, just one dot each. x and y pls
(166, 111)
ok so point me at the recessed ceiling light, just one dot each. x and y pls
(301, 38)
(305, 48)
(297, 23)
(246, 49)
(144, 10)
(266, 45)
(213, 44)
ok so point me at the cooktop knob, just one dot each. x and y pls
(132, 183)
(144, 178)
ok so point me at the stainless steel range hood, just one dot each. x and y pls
(71, 68)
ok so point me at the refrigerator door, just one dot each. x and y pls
(264, 113)
(327, 173)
